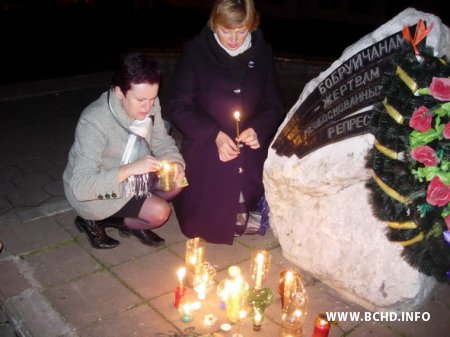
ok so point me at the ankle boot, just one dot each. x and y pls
(95, 233)
(145, 236)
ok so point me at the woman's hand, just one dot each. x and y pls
(226, 147)
(144, 165)
(178, 171)
(250, 138)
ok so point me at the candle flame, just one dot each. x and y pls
(181, 273)
(165, 166)
(289, 276)
(260, 258)
(237, 115)
(298, 313)
(257, 317)
(186, 308)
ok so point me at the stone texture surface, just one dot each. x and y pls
(320, 211)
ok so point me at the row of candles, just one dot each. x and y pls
(239, 299)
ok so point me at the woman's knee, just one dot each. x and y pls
(163, 213)
(156, 211)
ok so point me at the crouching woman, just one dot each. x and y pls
(121, 143)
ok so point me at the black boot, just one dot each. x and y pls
(95, 233)
(146, 236)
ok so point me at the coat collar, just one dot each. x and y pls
(116, 108)
(208, 43)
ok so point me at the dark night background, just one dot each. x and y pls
(43, 39)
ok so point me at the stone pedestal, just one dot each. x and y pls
(320, 211)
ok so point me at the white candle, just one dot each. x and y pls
(237, 117)
(259, 270)
(181, 273)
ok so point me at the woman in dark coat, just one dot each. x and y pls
(228, 67)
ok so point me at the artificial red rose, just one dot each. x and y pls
(447, 131)
(425, 155)
(440, 88)
(438, 193)
(421, 119)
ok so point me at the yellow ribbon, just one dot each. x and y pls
(417, 238)
(407, 79)
(385, 150)
(396, 116)
(402, 225)
(390, 191)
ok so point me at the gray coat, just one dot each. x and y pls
(91, 175)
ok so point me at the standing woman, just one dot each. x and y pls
(120, 142)
(228, 67)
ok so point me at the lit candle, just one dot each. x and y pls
(321, 326)
(166, 176)
(233, 302)
(181, 273)
(195, 255)
(237, 117)
(201, 291)
(259, 270)
(288, 279)
(185, 311)
(257, 320)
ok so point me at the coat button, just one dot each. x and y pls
(114, 195)
(107, 196)
(237, 91)
(251, 64)
(240, 170)
(100, 197)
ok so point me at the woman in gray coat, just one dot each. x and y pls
(111, 179)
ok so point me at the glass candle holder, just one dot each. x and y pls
(166, 177)
(259, 268)
(294, 301)
(195, 256)
(233, 293)
(258, 300)
(185, 309)
(204, 279)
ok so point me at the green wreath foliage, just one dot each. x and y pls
(401, 184)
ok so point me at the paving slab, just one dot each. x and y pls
(26, 237)
(87, 300)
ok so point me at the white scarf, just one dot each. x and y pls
(246, 45)
(137, 146)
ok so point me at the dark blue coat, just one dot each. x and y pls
(208, 85)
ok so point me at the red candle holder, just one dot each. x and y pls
(321, 326)
(179, 294)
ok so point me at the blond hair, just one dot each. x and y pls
(233, 14)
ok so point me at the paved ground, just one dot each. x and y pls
(52, 283)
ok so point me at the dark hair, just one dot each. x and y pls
(136, 68)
